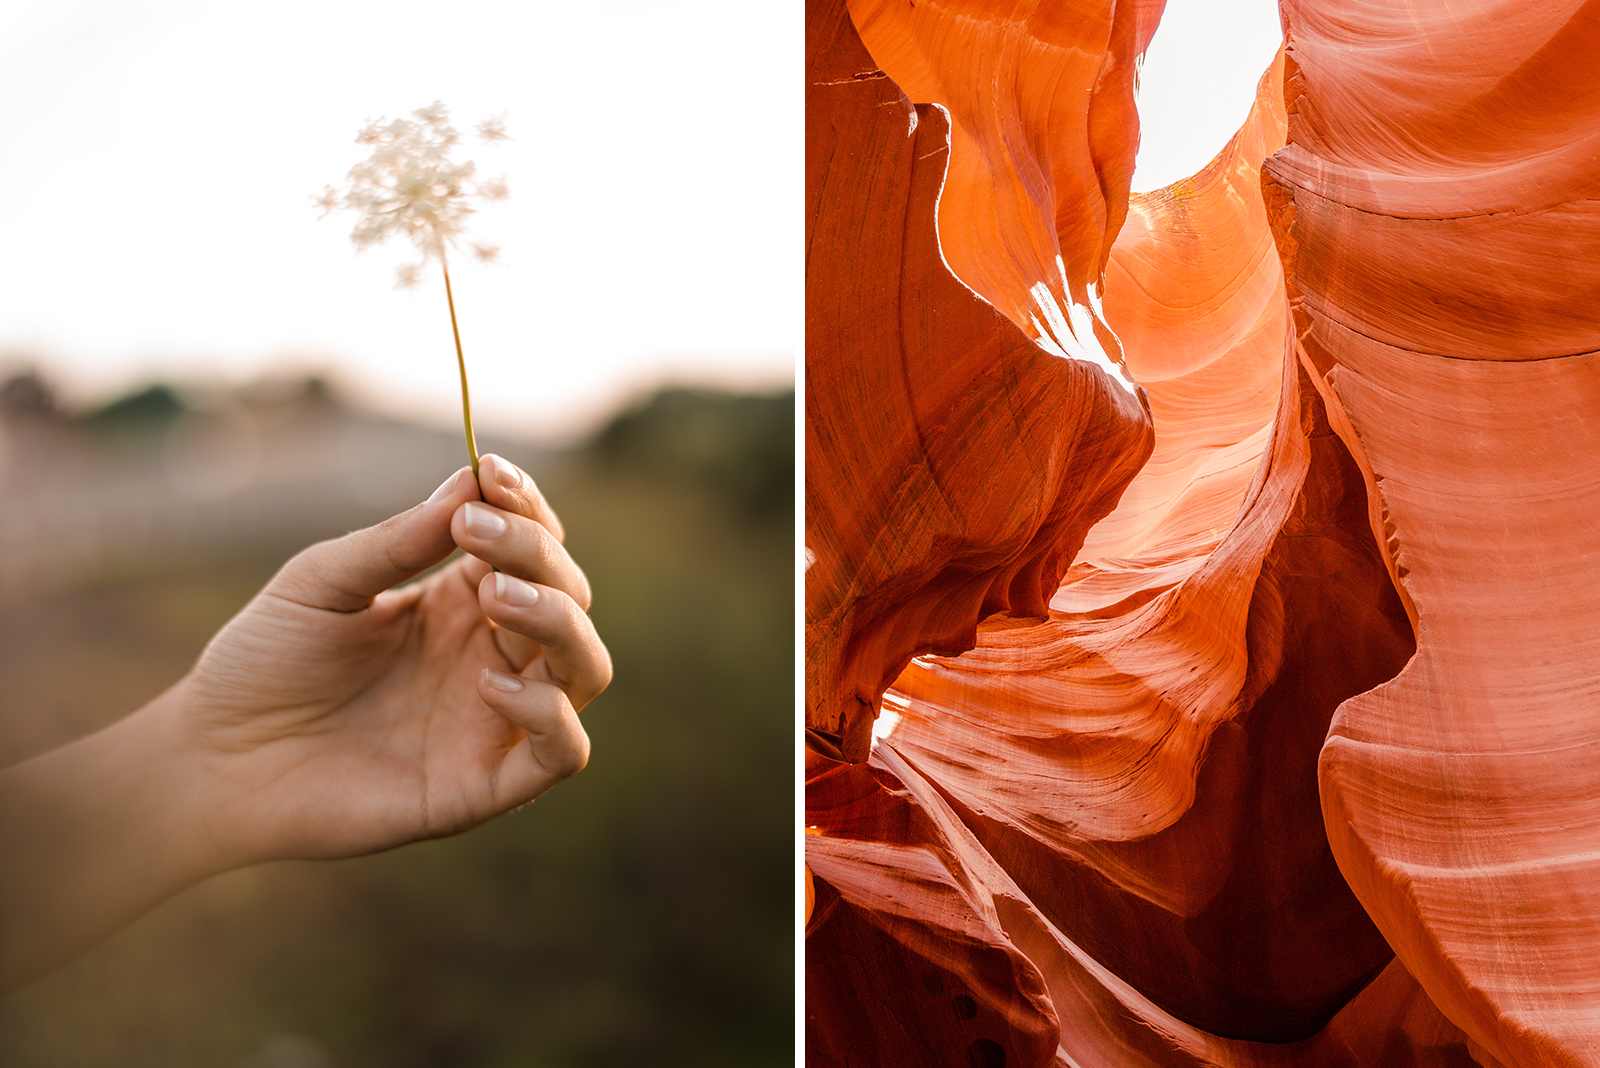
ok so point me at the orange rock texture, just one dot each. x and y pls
(1203, 586)
(966, 462)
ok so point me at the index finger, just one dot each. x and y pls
(345, 574)
(505, 485)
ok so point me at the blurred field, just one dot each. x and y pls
(640, 914)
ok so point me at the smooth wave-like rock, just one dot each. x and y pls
(964, 462)
(921, 950)
(1043, 134)
(1298, 765)
(1436, 227)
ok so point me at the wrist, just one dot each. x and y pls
(97, 833)
(143, 785)
(174, 781)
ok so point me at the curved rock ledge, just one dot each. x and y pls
(1247, 717)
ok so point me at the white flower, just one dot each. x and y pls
(409, 185)
(493, 129)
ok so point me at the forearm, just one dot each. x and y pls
(336, 715)
(92, 836)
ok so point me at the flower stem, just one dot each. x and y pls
(461, 364)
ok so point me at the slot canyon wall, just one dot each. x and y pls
(1202, 587)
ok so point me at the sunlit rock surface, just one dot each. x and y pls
(966, 463)
(1436, 209)
(1301, 763)
(1043, 133)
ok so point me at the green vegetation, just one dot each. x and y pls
(153, 408)
(640, 914)
(738, 447)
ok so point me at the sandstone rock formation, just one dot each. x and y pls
(1245, 715)
(966, 462)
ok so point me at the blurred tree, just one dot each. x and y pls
(149, 411)
(26, 394)
(741, 446)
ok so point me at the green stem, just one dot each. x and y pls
(461, 363)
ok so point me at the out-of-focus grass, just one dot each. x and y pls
(640, 914)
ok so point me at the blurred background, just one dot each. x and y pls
(198, 377)
(641, 913)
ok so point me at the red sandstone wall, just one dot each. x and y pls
(1245, 716)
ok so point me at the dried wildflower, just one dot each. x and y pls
(493, 129)
(409, 186)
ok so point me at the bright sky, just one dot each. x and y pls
(1198, 82)
(162, 156)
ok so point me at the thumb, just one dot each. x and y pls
(345, 574)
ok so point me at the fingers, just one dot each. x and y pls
(574, 658)
(345, 574)
(519, 546)
(557, 746)
(506, 486)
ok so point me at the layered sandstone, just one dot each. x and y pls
(1437, 210)
(966, 463)
(1259, 729)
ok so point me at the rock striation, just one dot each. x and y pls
(1202, 620)
(967, 463)
(1436, 207)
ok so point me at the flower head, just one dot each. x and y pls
(493, 129)
(410, 186)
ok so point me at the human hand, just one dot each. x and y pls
(335, 715)
(338, 715)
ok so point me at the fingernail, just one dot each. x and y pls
(505, 473)
(445, 487)
(482, 522)
(502, 681)
(514, 591)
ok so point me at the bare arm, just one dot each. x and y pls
(335, 715)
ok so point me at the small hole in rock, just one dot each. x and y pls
(986, 1053)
